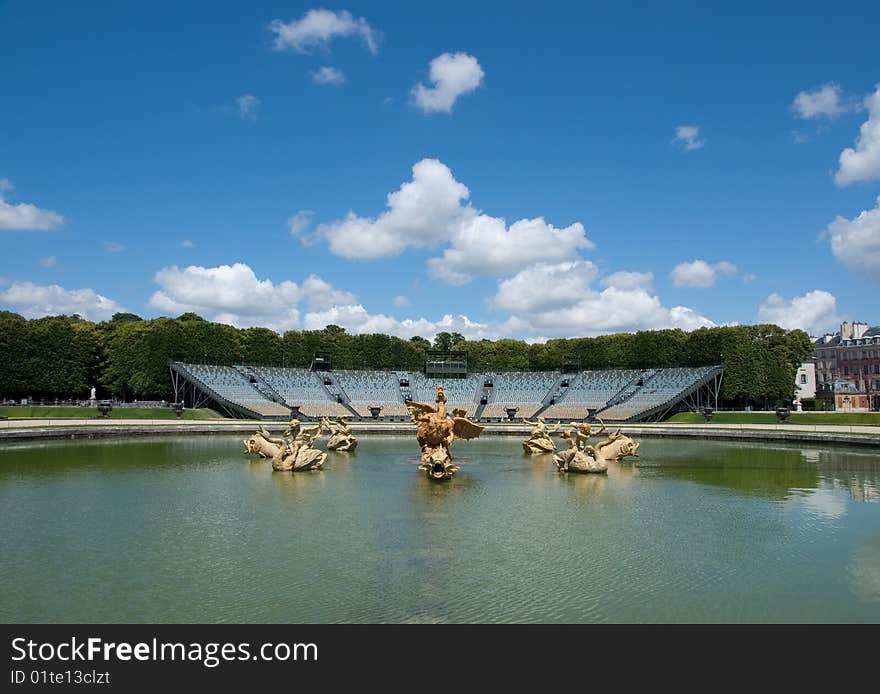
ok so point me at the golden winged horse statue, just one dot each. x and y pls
(437, 430)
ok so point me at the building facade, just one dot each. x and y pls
(805, 383)
(848, 367)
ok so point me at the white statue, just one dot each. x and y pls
(92, 394)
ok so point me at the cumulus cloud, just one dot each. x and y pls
(432, 209)
(545, 286)
(699, 273)
(24, 216)
(233, 294)
(484, 245)
(863, 162)
(319, 294)
(318, 27)
(186, 243)
(689, 137)
(420, 213)
(113, 247)
(557, 300)
(227, 293)
(328, 75)
(355, 319)
(248, 106)
(856, 243)
(814, 312)
(34, 301)
(629, 280)
(825, 101)
(48, 261)
(452, 74)
(299, 222)
(401, 300)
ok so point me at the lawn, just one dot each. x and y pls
(770, 418)
(92, 412)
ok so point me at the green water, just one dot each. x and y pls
(190, 530)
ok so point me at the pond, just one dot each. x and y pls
(191, 530)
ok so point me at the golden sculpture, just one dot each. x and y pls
(341, 438)
(298, 454)
(617, 447)
(437, 430)
(293, 451)
(577, 458)
(260, 444)
(581, 457)
(540, 441)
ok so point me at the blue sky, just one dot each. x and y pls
(145, 127)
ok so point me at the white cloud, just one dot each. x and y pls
(557, 300)
(431, 209)
(421, 213)
(629, 280)
(544, 287)
(484, 245)
(186, 243)
(318, 294)
(113, 247)
(299, 222)
(318, 27)
(25, 217)
(814, 312)
(452, 74)
(248, 106)
(689, 137)
(233, 294)
(48, 261)
(856, 243)
(227, 293)
(699, 273)
(34, 301)
(328, 75)
(401, 300)
(863, 162)
(824, 101)
(355, 319)
(748, 278)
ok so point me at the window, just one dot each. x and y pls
(803, 378)
(846, 371)
(877, 368)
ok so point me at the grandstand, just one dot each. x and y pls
(661, 389)
(526, 391)
(590, 390)
(462, 393)
(231, 390)
(612, 394)
(304, 389)
(366, 389)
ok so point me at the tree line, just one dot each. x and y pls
(127, 356)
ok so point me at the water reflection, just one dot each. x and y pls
(773, 473)
(173, 529)
(864, 570)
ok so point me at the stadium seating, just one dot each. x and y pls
(303, 388)
(366, 389)
(665, 386)
(523, 390)
(615, 394)
(590, 390)
(462, 393)
(229, 384)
